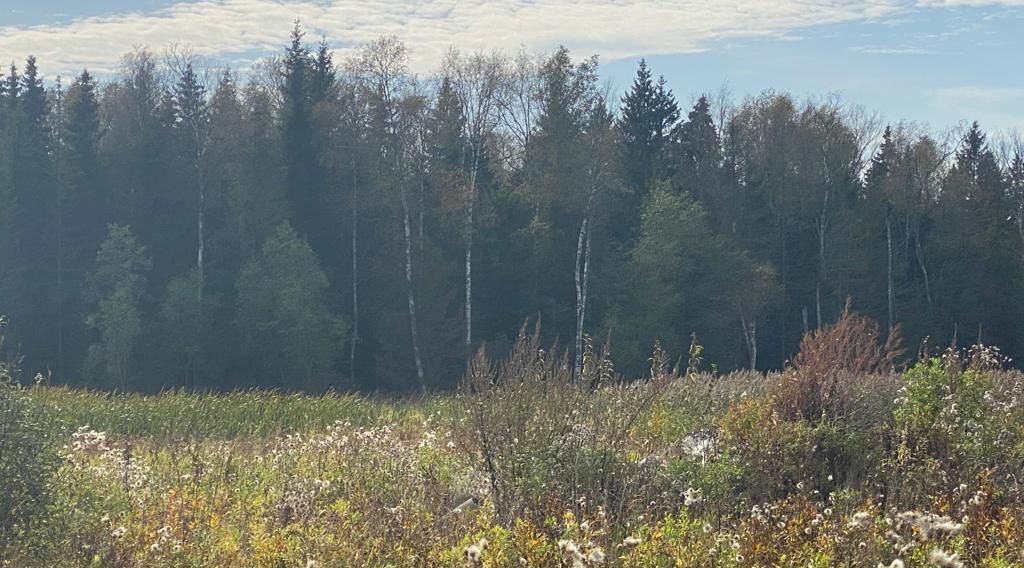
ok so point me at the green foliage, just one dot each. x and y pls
(283, 309)
(524, 464)
(115, 289)
(958, 418)
(508, 188)
(28, 458)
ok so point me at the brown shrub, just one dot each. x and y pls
(814, 384)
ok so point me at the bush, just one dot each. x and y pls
(818, 382)
(957, 419)
(550, 444)
(27, 462)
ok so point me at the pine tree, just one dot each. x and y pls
(324, 74)
(647, 117)
(301, 180)
(696, 161)
(81, 210)
(1015, 190)
(31, 170)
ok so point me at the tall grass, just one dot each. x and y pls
(176, 414)
(836, 461)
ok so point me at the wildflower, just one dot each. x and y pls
(895, 564)
(943, 559)
(596, 556)
(706, 528)
(118, 532)
(692, 497)
(859, 519)
(629, 542)
(475, 552)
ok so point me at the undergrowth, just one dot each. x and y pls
(840, 460)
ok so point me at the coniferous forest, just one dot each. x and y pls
(326, 223)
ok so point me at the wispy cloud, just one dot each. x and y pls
(992, 106)
(615, 29)
(881, 50)
(967, 3)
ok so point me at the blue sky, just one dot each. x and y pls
(938, 62)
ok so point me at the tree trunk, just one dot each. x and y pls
(922, 265)
(580, 301)
(60, 267)
(469, 251)
(750, 340)
(889, 276)
(469, 282)
(410, 291)
(200, 266)
(355, 273)
(822, 228)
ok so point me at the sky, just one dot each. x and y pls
(936, 62)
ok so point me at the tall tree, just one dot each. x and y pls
(383, 68)
(283, 313)
(696, 164)
(475, 81)
(115, 291)
(81, 208)
(31, 169)
(647, 117)
(305, 77)
(1015, 187)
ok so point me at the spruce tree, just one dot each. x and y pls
(648, 114)
(81, 210)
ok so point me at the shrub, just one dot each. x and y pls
(549, 444)
(817, 382)
(958, 418)
(27, 461)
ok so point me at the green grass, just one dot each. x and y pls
(173, 415)
(563, 473)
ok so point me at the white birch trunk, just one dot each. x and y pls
(410, 291)
(580, 302)
(469, 254)
(750, 340)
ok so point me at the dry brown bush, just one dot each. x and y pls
(819, 381)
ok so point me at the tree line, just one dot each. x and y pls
(352, 224)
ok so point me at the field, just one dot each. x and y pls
(830, 463)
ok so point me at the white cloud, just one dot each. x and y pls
(613, 28)
(991, 106)
(975, 3)
(880, 50)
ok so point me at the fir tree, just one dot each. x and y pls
(646, 119)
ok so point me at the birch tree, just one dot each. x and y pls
(383, 67)
(476, 80)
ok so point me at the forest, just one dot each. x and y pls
(326, 224)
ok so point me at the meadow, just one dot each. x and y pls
(846, 458)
